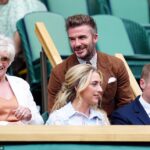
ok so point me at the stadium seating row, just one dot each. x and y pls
(113, 39)
(117, 35)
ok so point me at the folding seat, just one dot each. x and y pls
(113, 38)
(138, 37)
(71, 7)
(55, 25)
(131, 9)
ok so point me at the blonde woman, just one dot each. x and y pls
(78, 100)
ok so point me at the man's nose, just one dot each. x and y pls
(77, 42)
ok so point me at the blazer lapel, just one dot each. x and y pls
(105, 68)
(71, 62)
(15, 88)
(140, 112)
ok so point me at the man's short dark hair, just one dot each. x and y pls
(78, 20)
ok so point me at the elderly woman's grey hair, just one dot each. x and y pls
(7, 45)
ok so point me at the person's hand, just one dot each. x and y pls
(22, 113)
(15, 123)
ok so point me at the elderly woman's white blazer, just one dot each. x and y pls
(24, 97)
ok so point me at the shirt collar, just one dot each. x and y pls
(93, 113)
(93, 61)
(70, 110)
(145, 104)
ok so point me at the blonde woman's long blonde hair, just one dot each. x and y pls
(77, 77)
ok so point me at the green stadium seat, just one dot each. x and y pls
(113, 38)
(71, 7)
(131, 9)
(33, 66)
(55, 25)
(138, 37)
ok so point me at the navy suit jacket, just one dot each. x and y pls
(131, 114)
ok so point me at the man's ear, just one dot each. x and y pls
(95, 38)
(142, 83)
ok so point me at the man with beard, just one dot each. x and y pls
(82, 33)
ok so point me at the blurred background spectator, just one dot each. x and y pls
(10, 12)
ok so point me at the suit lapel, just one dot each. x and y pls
(73, 60)
(16, 88)
(70, 62)
(140, 112)
(105, 68)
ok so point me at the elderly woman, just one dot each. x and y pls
(16, 102)
(78, 101)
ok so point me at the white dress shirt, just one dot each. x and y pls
(145, 105)
(93, 61)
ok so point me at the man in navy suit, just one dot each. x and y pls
(137, 112)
